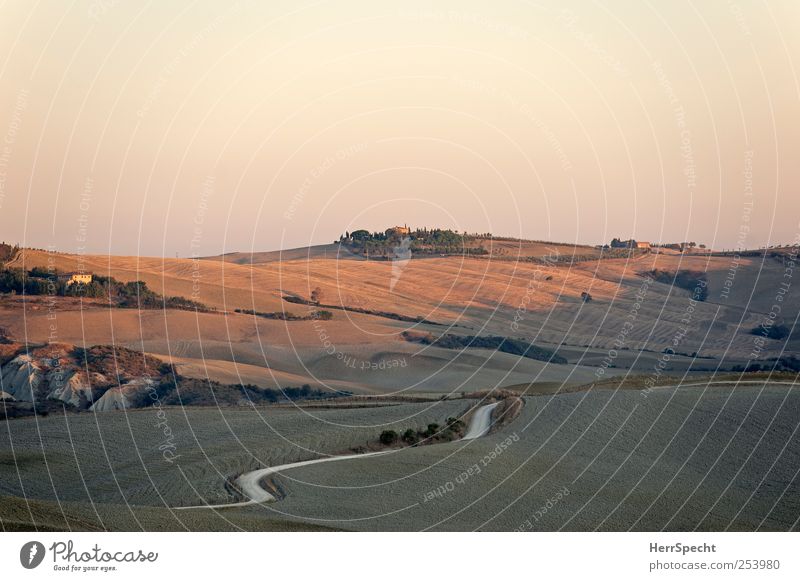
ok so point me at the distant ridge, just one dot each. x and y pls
(321, 251)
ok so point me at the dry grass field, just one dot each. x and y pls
(473, 296)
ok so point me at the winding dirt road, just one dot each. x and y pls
(249, 483)
(481, 422)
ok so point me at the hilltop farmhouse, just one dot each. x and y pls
(398, 231)
(617, 243)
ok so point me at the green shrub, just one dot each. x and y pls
(776, 332)
(455, 425)
(388, 437)
(503, 344)
(410, 437)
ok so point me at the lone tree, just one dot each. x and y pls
(432, 429)
(322, 315)
(388, 437)
(316, 295)
(410, 437)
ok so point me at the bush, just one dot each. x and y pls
(455, 424)
(410, 437)
(790, 363)
(388, 437)
(285, 315)
(503, 344)
(432, 429)
(776, 332)
(453, 430)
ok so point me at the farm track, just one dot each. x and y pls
(249, 483)
(481, 422)
(723, 382)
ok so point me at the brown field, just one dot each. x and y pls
(470, 295)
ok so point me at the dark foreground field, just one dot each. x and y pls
(694, 458)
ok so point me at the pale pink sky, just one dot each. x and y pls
(203, 127)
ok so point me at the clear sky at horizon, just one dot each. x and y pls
(209, 127)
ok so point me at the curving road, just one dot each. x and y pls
(481, 422)
(249, 483)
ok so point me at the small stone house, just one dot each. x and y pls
(75, 278)
(398, 231)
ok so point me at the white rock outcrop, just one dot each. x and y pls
(21, 377)
(122, 397)
(53, 372)
(71, 387)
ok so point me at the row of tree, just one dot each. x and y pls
(135, 294)
(452, 430)
(420, 241)
(7, 251)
